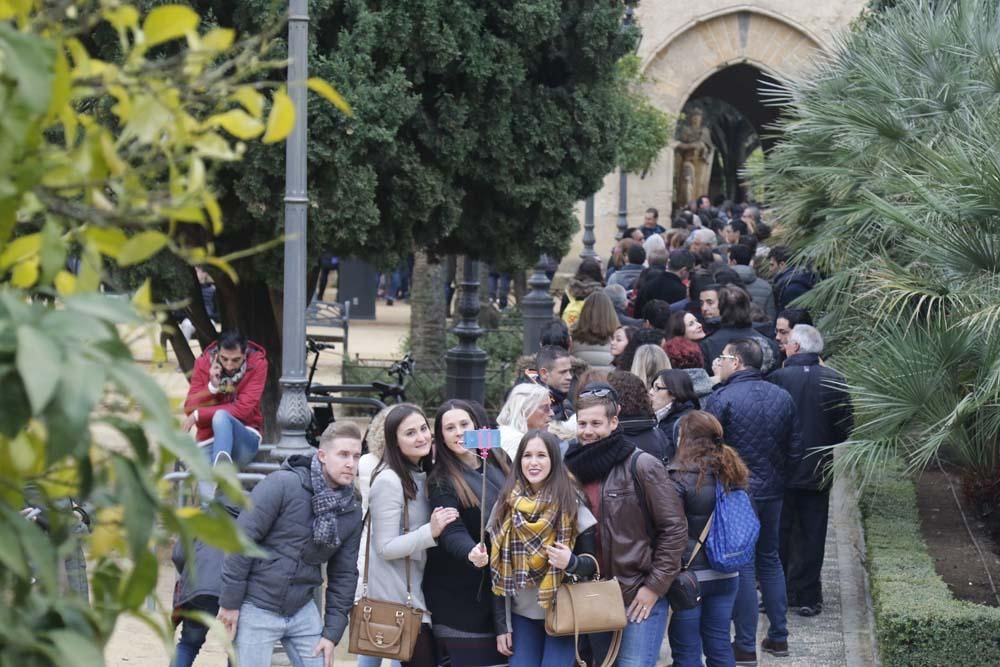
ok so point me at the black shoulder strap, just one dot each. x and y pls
(641, 493)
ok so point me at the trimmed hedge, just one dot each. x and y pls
(917, 620)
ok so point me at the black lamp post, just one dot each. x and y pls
(465, 364)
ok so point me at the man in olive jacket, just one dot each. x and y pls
(305, 515)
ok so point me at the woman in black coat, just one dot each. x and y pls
(672, 396)
(636, 417)
(456, 581)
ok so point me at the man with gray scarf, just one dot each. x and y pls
(305, 515)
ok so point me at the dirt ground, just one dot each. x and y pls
(955, 556)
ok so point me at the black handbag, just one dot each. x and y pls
(685, 592)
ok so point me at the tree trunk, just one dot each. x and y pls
(182, 350)
(428, 320)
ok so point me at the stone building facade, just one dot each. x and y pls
(690, 45)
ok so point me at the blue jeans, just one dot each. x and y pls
(766, 570)
(193, 633)
(232, 437)
(534, 648)
(372, 661)
(257, 630)
(705, 628)
(641, 641)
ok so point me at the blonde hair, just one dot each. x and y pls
(338, 431)
(649, 360)
(521, 402)
(598, 320)
(375, 435)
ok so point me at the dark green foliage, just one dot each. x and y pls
(917, 621)
(477, 126)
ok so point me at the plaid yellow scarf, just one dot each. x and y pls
(518, 555)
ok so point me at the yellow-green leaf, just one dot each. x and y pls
(218, 39)
(114, 163)
(196, 175)
(122, 17)
(214, 211)
(65, 283)
(20, 249)
(322, 88)
(25, 274)
(251, 100)
(107, 240)
(214, 147)
(143, 298)
(238, 123)
(168, 22)
(224, 266)
(124, 107)
(141, 247)
(186, 213)
(281, 119)
(61, 85)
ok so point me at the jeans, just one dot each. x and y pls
(257, 630)
(499, 288)
(534, 648)
(803, 544)
(766, 570)
(193, 633)
(232, 437)
(705, 628)
(640, 642)
(372, 661)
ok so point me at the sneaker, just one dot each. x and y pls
(745, 658)
(813, 610)
(775, 648)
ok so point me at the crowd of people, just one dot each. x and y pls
(675, 376)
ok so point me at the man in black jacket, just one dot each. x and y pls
(305, 515)
(824, 411)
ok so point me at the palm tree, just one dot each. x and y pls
(887, 181)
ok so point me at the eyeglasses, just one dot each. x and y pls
(599, 393)
(725, 356)
(656, 388)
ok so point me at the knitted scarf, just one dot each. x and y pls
(518, 555)
(327, 503)
(593, 462)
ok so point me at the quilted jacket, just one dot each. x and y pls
(824, 410)
(759, 421)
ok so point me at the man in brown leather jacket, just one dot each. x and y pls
(642, 528)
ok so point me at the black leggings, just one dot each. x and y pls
(424, 654)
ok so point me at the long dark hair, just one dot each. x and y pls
(701, 446)
(447, 467)
(679, 385)
(392, 457)
(560, 485)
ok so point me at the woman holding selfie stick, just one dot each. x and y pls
(456, 579)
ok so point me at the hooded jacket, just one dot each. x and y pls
(644, 434)
(243, 402)
(283, 581)
(760, 423)
(824, 410)
(759, 289)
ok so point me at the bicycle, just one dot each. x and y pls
(322, 397)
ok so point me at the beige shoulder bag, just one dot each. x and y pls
(588, 607)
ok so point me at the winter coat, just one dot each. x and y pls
(577, 292)
(626, 276)
(644, 434)
(759, 289)
(668, 424)
(699, 503)
(662, 285)
(459, 594)
(759, 422)
(205, 578)
(598, 357)
(243, 402)
(790, 284)
(283, 581)
(712, 346)
(824, 412)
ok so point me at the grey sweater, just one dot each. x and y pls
(391, 546)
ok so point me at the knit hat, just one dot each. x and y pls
(683, 353)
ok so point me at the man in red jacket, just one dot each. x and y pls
(224, 401)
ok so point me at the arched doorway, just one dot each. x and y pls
(725, 57)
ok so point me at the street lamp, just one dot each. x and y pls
(293, 410)
(465, 364)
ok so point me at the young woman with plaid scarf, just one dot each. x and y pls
(541, 530)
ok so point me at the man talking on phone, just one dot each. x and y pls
(223, 401)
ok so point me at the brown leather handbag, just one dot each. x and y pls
(587, 607)
(380, 628)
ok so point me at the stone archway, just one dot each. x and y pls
(715, 47)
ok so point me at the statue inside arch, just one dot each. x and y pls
(693, 155)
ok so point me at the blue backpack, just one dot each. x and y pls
(732, 539)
